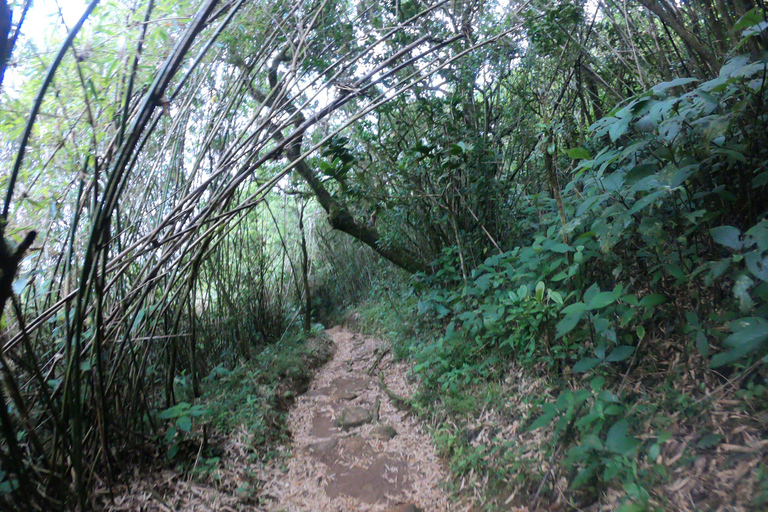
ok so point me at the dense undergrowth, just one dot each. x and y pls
(248, 401)
(615, 359)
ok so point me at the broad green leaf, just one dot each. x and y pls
(639, 173)
(627, 316)
(747, 331)
(673, 83)
(757, 263)
(567, 324)
(584, 476)
(555, 296)
(588, 203)
(630, 299)
(170, 434)
(676, 272)
(760, 180)
(648, 200)
(441, 310)
(749, 335)
(601, 349)
(750, 18)
(601, 324)
(718, 268)
(758, 235)
(692, 318)
(732, 154)
(741, 288)
(749, 32)
(670, 130)
(564, 400)
(618, 440)
(198, 410)
(702, 344)
(618, 128)
(578, 153)
(604, 299)
(585, 364)
(548, 414)
(174, 412)
(620, 354)
(560, 248)
(728, 357)
(184, 423)
(592, 441)
(577, 308)
(660, 110)
(654, 451)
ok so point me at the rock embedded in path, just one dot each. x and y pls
(344, 395)
(383, 432)
(355, 446)
(323, 447)
(352, 417)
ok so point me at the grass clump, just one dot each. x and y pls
(255, 396)
(249, 402)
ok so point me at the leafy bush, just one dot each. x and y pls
(647, 228)
(665, 240)
(252, 397)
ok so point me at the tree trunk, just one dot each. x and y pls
(706, 57)
(340, 218)
(305, 273)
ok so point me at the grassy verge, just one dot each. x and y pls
(666, 434)
(248, 403)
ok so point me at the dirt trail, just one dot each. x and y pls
(353, 449)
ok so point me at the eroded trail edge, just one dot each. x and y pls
(353, 449)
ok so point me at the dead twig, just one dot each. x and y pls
(377, 361)
(402, 403)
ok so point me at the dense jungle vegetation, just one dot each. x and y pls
(555, 209)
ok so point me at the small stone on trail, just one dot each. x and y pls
(384, 432)
(323, 447)
(407, 507)
(355, 445)
(344, 395)
(352, 417)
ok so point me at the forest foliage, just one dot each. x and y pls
(574, 187)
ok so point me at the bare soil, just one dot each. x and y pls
(336, 467)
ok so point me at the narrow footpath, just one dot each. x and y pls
(353, 449)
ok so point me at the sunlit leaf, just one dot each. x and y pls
(578, 153)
